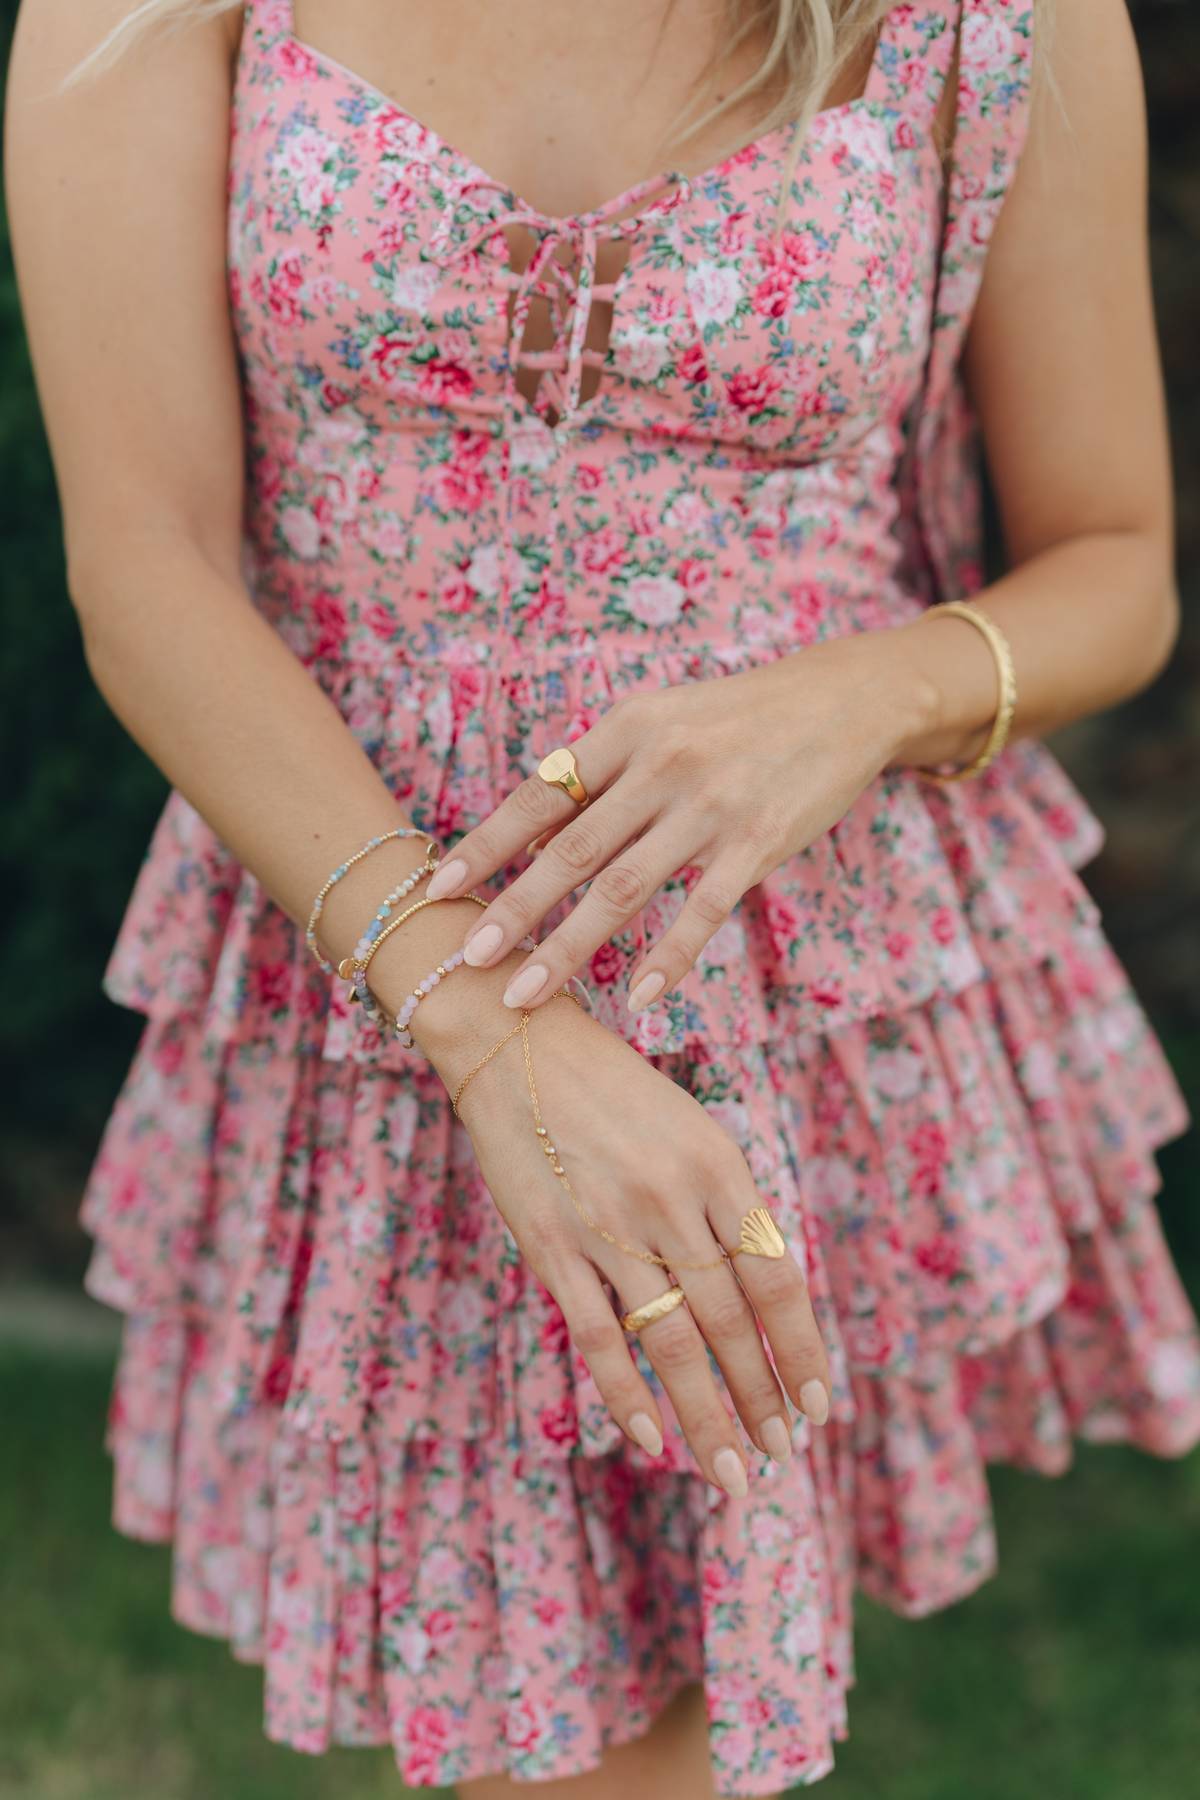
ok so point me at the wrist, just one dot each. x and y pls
(463, 1013)
(879, 691)
(934, 690)
(558, 1030)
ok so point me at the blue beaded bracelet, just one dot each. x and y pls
(432, 853)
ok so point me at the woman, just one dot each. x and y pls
(520, 447)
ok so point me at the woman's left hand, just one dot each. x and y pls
(731, 775)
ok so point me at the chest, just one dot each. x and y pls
(377, 264)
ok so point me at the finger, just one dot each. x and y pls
(579, 847)
(705, 910)
(777, 1290)
(596, 1333)
(616, 894)
(730, 1327)
(677, 1352)
(532, 807)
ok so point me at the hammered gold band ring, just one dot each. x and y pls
(658, 1308)
(561, 770)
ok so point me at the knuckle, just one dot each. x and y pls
(484, 841)
(727, 1317)
(566, 947)
(712, 902)
(723, 1165)
(592, 1333)
(630, 710)
(781, 1283)
(671, 1193)
(533, 799)
(677, 752)
(620, 886)
(759, 830)
(576, 848)
(670, 1344)
(546, 1240)
(711, 809)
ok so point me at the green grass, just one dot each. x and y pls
(1075, 1674)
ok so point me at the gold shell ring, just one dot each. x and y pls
(760, 1236)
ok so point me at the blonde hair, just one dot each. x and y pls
(810, 44)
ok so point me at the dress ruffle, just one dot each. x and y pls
(328, 1318)
(987, 868)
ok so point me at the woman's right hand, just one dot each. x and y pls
(649, 1164)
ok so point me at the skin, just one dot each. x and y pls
(124, 178)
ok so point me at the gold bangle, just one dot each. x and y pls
(1007, 680)
(354, 968)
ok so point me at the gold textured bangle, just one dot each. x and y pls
(1006, 677)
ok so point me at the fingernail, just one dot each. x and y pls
(815, 1401)
(643, 1429)
(446, 878)
(646, 989)
(485, 942)
(524, 985)
(775, 1435)
(730, 1471)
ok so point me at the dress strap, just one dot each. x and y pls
(271, 20)
(913, 57)
(995, 74)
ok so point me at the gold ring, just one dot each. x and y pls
(760, 1236)
(561, 770)
(658, 1308)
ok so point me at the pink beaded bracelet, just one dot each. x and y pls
(426, 986)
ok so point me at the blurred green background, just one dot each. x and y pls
(1075, 1674)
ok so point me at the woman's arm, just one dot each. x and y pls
(116, 194)
(117, 199)
(738, 774)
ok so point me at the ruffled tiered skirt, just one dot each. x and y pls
(356, 1413)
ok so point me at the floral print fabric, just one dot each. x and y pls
(342, 1395)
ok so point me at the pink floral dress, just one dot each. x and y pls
(342, 1395)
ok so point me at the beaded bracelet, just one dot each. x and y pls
(426, 986)
(393, 899)
(432, 853)
(354, 968)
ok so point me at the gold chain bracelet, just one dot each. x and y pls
(550, 1151)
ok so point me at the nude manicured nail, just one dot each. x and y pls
(776, 1436)
(646, 989)
(730, 1471)
(524, 985)
(446, 879)
(645, 1432)
(815, 1401)
(486, 941)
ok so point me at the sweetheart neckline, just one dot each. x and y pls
(607, 208)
